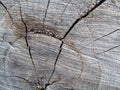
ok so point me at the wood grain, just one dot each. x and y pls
(88, 59)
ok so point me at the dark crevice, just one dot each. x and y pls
(26, 37)
(40, 87)
(84, 14)
(1, 3)
(48, 84)
(55, 62)
(71, 27)
(46, 13)
(100, 38)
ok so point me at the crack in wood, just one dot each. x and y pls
(1, 3)
(109, 49)
(65, 9)
(45, 14)
(36, 26)
(56, 62)
(100, 38)
(36, 83)
(49, 32)
(83, 14)
(27, 81)
(26, 37)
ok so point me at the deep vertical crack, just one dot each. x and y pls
(26, 36)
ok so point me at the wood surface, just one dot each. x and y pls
(59, 45)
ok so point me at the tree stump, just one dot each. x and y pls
(59, 45)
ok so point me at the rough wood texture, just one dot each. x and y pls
(59, 45)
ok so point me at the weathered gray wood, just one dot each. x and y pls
(90, 56)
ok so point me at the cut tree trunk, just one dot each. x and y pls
(59, 45)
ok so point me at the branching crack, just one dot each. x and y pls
(83, 14)
(46, 85)
(1, 3)
(26, 36)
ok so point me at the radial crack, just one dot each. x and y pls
(55, 62)
(6, 10)
(84, 14)
(26, 36)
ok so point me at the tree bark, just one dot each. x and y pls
(59, 45)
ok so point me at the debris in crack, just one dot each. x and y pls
(26, 37)
(35, 26)
(29, 24)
